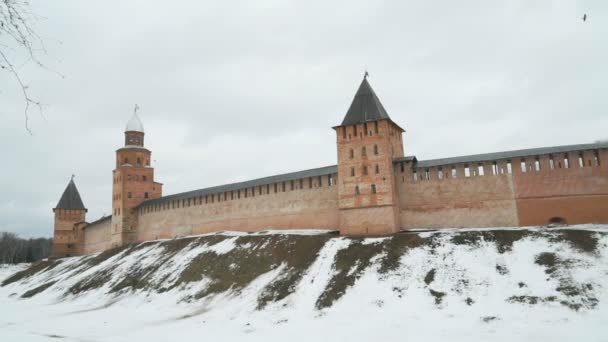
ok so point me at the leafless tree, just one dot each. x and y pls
(14, 250)
(18, 38)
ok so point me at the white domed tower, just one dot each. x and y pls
(133, 183)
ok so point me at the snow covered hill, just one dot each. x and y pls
(493, 284)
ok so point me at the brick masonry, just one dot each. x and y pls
(374, 190)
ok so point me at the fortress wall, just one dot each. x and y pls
(251, 209)
(522, 191)
(578, 194)
(97, 237)
(460, 202)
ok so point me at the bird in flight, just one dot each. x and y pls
(585, 17)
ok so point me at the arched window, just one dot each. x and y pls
(357, 190)
(376, 149)
(373, 188)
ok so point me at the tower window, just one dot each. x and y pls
(378, 168)
(301, 183)
(351, 153)
(376, 127)
(310, 183)
(128, 177)
(355, 130)
(138, 161)
(357, 190)
(136, 177)
(343, 132)
(275, 188)
(146, 196)
(320, 181)
(365, 170)
(143, 178)
(352, 171)
(373, 188)
(126, 161)
(376, 149)
(129, 195)
(363, 151)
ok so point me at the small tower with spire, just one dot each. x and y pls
(368, 142)
(132, 183)
(70, 215)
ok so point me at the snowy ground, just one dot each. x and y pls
(438, 291)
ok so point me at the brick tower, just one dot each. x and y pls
(133, 183)
(368, 141)
(69, 219)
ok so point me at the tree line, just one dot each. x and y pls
(14, 249)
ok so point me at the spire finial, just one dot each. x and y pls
(366, 75)
(73, 175)
(135, 110)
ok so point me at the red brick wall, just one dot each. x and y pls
(577, 194)
(461, 202)
(300, 208)
(66, 237)
(355, 216)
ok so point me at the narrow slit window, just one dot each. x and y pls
(551, 163)
(427, 174)
(320, 181)
(378, 168)
(373, 188)
(351, 153)
(357, 190)
(494, 168)
(566, 162)
(376, 127)
(537, 165)
(310, 183)
(480, 170)
(509, 167)
(581, 162)
(596, 157)
(376, 149)
(352, 171)
(522, 165)
(343, 132)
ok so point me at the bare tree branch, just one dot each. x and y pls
(17, 35)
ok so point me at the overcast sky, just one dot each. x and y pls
(235, 90)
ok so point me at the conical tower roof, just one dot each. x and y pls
(70, 198)
(366, 106)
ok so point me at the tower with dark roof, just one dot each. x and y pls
(70, 215)
(368, 142)
(132, 183)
